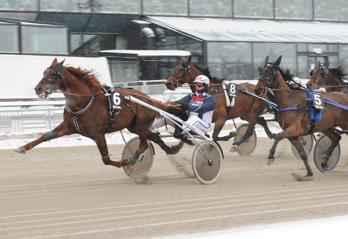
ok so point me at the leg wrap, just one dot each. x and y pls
(50, 135)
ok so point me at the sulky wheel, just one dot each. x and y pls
(307, 142)
(207, 162)
(141, 167)
(320, 148)
(248, 146)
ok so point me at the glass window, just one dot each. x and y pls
(302, 47)
(317, 48)
(9, 38)
(48, 40)
(165, 7)
(274, 50)
(25, 16)
(293, 9)
(253, 8)
(331, 10)
(119, 6)
(221, 8)
(19, 5)
(332, 47)
(302, 67)
(343, 57)
(231, 61)
(67, 5)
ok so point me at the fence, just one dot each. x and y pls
(41, 116)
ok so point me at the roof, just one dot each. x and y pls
(218, 29)
(146, 53)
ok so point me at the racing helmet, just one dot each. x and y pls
(201, 80)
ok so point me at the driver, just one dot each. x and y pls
(200, 105)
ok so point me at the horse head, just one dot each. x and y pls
(318, 76)
(269, 72)
(52, 79)
(184, 73)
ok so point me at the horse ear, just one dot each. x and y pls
(54, 61)
(266, 60)
(60, 68)
(62, 62)
(277, 62)
(189, 60)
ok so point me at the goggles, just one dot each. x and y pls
(200, 84)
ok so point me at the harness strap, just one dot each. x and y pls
(77, 113)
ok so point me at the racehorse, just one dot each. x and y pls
(246, 107)
(329, 78)
(293, 113)
(87, 114)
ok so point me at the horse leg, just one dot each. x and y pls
(261, 121)
(300, 149)
(277, 138)
(248, 133)
(59, 131)
(143, 146)
(104, 152)
(272, 151)
(157, 139)
(219, 124)
(335, 138)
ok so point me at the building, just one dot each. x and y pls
(232, 37)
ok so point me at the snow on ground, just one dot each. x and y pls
(334, 227)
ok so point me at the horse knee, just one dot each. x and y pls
(106, 160)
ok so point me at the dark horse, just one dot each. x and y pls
(187, 72)
(86, 112)
(329, 78)
(293, 113)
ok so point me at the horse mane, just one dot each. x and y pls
(206, 71)
(337, 72)
(86, 76)
(288, 77)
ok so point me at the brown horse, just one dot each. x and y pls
(329, 78)
(293, 113)
(246, 107)
(87, 114)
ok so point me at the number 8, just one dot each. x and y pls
(232, 89)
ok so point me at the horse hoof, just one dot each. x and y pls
(302, 178)
(20, 150)
(233, 148)
(270, 161)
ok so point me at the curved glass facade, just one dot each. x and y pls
(213, 8)
(165, 7)
(294, 9)
(253, 8)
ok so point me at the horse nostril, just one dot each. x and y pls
(38, 89)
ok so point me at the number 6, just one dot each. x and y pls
(116, 98)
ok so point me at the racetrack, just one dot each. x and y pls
(69, 193)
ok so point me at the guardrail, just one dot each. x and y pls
(148, 87)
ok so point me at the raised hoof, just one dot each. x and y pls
(234, 148)
(302, 178)
(20, 150)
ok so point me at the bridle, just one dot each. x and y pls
(315, 71)
(178, 79)
(274, 71)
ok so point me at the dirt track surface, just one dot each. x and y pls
(69, 193)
